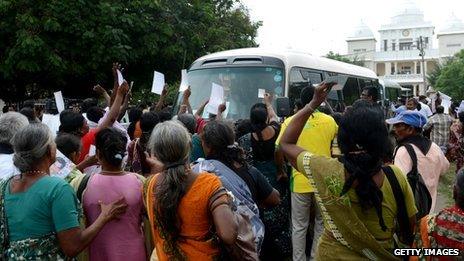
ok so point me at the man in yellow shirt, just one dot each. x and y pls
(316, 137)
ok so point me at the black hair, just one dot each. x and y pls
(189, 122)
(71, 122)
(68, 143)
(461, 117)
(111, 144)
(164, 115)
(135, 114)
(220, 137)
(299, 105)
(29, 113)
(459, 189)
(440, 109)
(258, 118)
(373, 92)
(29, 104)
(95, 113)
(242, 127)
(306, 95)
(324, 109)
(363, 140)
(337, 117)
(148, 121)
(87, 104)
(5, 109)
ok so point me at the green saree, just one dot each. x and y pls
(345, 236)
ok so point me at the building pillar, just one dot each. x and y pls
(425, 65)
(396, 67)
(415, 68)
(387, 68)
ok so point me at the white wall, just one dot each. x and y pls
(450, 44)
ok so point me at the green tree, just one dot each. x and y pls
(70, 45)
(450, 79)
(341, 58)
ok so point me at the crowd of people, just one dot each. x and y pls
(318, 185)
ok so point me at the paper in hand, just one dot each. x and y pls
(120, 78)
(92, 150)
(261, 93)
(184, 82)
(158, 83)
(59, 101)
(216, 98)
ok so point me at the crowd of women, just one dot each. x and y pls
(190, 188)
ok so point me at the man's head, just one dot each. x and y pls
(88, 103)
(411, 104)
(370, 94)
(440, 109)
(10, 123)
(95, 113)
(458, 191)
(407, 124)
(306, 95)
(423, 99)
(73, 123)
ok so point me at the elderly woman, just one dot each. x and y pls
(10, 123)
(180, 203)
(38, 213)
(354, 193)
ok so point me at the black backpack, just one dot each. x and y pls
(422, 195)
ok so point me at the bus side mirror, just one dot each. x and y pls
(283, 107)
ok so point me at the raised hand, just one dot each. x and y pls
(222, 107)
(98, 89)
(123, 89)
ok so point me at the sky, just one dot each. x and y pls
(320, 26)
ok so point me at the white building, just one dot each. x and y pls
(398, 58)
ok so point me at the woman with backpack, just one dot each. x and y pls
(355, 193)
(124, 239)
(185, 207)
(226, 159)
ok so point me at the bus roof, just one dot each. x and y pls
(293, 58)
(390, 84)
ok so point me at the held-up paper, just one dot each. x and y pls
(261, 93)
(120, 78)
(216, 98)
(184, 82)
(92, 150)
(59, 101)
(158, 83)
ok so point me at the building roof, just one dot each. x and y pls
(408, 15)
(361, 32)
(453, 25)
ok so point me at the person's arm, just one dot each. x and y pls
(115, 107)
(124, 106)
(186, 99)
(87, 162)
(160, 103)
(221, 109)
(429, 124)
(272, 200)
(73, 241)
(103, 93)
(279, 161)
(272, 116)
(201, 109)
(327, 104)
(224, 221)
(293, 130)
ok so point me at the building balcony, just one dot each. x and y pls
(405, 55)
(404, 78)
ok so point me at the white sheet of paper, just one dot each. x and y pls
(59, 101)
(216, 98)
(92, 150)
(120, 78)
(261, 93)
(461, 107)
(224, 114)
(158, 83)
(184, 84)
(52, 121)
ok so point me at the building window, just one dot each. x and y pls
(405, 46)
(359, 50)
(385, 45)
(418, 68)
(453, 45)
(393, 69)
(405, 70)
(393, 46)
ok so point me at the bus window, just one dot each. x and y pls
(351, 91)
(300, 78)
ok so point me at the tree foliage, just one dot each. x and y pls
(70, 45)
(450, 78)
(336, 56)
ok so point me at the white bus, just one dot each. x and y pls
(283, 73)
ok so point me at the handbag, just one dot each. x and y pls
(244, 247)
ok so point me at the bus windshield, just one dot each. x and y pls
(241, 85)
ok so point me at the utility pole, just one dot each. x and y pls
(422, 54)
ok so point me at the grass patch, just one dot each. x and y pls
(445, 185)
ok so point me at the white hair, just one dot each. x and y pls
(10, 123)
